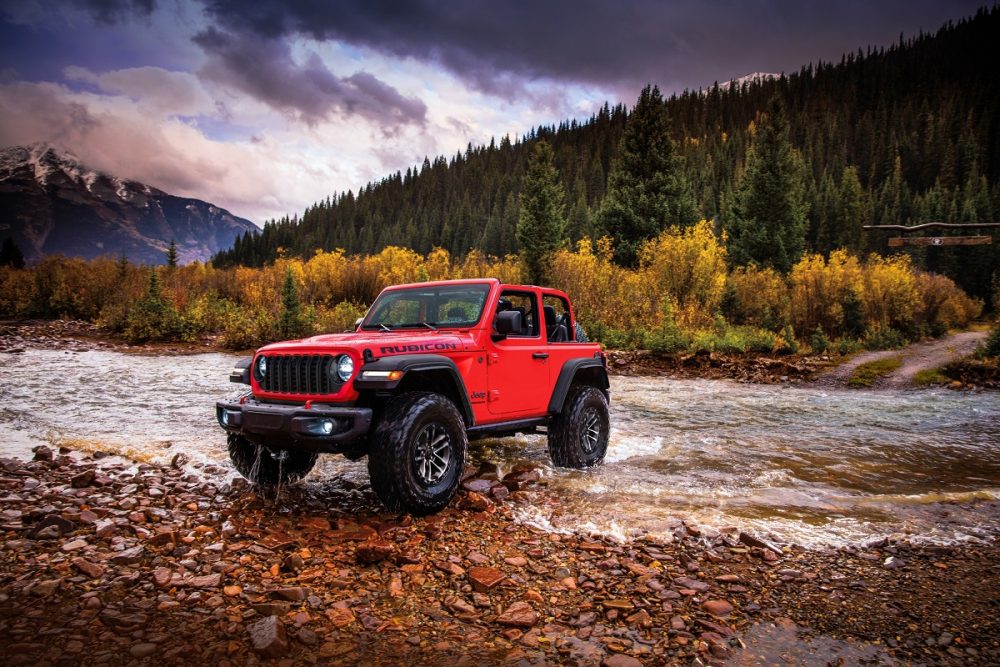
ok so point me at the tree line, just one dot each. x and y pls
(799, 163)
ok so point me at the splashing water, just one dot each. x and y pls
(808, 465)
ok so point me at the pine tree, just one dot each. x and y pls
(768, 222)
(541, 224)
(172, 255)
(10, 254)
(292, 323)
(647, 191)
(850, 213)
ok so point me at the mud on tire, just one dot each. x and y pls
(578, 436)
(259, 467)
(418, 453)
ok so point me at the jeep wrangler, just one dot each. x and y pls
(430, 366)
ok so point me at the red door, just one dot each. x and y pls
(518, 370)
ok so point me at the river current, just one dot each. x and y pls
(818, 467)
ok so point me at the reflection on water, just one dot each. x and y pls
(808, 465)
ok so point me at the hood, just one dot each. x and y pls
(381, 343)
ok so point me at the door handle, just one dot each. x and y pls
(540, 355)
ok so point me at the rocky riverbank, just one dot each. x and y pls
(108, 561)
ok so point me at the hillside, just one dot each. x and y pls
(918, 121)
(50, 203)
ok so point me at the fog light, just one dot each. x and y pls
(225, 417)
(327, 426)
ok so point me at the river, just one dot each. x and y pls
(818, 467)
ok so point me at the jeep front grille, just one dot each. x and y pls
(299, 374)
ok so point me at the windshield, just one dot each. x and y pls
(446, 306)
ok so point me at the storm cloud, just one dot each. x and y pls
(679, 44)
(263, 67)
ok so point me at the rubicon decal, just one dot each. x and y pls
(422, 347)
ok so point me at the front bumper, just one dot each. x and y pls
(319, 428)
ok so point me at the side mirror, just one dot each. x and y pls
(357, 323)
(507, 322)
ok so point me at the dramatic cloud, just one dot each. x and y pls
(264, 68)
(684, 43)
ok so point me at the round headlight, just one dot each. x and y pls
(345, 367)
(262, 366)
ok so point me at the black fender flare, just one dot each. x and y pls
(416, 363)
(593, 367)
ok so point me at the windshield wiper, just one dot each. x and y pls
(429, 325)
(383, 327)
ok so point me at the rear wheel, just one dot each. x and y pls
(264, 467)
(418, 453)
(578, 436)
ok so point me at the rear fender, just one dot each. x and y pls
(588, 371)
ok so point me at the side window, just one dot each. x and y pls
(558, 328)
(526, 304)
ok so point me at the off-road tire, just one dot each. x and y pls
(400, 474)
(578, 436)
(260, 467)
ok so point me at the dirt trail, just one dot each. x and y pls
(917, 357)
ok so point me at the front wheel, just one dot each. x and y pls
(418, 453)
(578, 436)
(264, 467)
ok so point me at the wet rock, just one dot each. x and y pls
(268, 637)
(485, 578)
(47, 533)
(719, 608)
(83, 479)
(621, 660)
(179, 460)
(519, 615)
(129, 556)
(292, 593)
(272, 608)
(44, 589)
(477, 502)
(477, 485)
(293, 563)
(144, 650)
(42, 453)
(752, 541)
(92, 570)
(373, 551)
(63, 526)
(892, 563)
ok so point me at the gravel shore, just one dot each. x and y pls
(109, 561)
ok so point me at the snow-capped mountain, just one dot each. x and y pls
(52, 204)
(749, 78)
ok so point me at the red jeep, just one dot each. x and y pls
(430, 366)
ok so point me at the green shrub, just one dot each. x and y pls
(849, 346)
(339, 318)
(786, 343)
(818, 341)
(153, 318)
(885, 338)
(668, 337)
(991, 346)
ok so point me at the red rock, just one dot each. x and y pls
(477, 485)
(640, 618)
(718, 608)
(161, 577)
(292, 593)
(460, 606)
(205, 581)
(143, 650)
(396, 586)
(619, 660)
(373, 551)
(485, 578)
(83, 479)
(516, 561)
(268, 638)
(340, 617)
(728, 578)
(499, 492)
(92, 570)
(621, 605)
(449, 568)
(519, 615)
(42, 453)
(476, 502)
